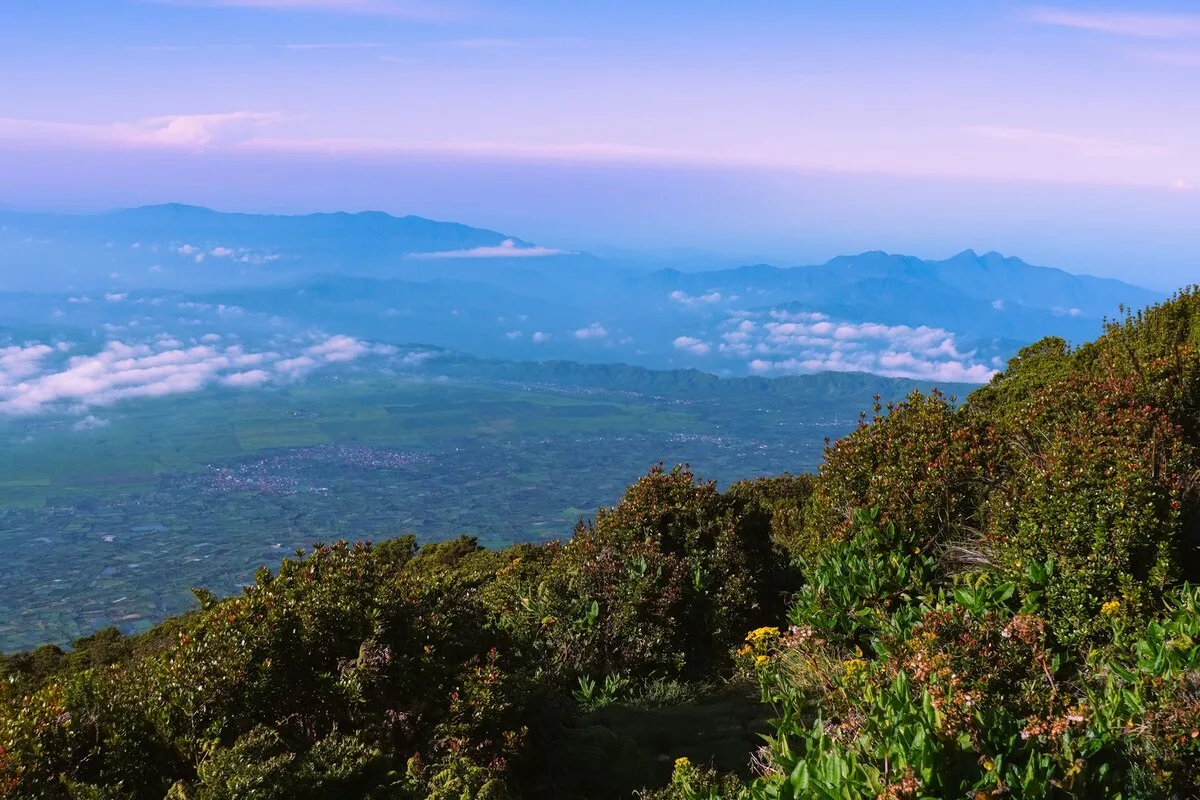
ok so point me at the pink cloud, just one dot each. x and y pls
(1146, 25)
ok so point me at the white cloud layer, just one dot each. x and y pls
(179, 130)
(779, 343)
(31, 381)
(1082, 145)
(694, 300)
(506, 249)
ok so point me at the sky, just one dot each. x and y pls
(1067, 134)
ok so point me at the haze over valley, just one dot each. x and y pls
(345, 371)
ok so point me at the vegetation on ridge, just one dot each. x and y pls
(992, 599)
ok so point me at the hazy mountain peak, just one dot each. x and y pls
(160, 210)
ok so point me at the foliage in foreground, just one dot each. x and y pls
(988, 599)
(392, 671)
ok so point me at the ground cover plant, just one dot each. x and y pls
(990, 597)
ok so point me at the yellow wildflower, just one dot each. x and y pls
(761, 661)
(854, 667)
(759, 637)
(1110, 608)
(683, 762)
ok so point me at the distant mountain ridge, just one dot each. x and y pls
(177, 222)
(490, 293)
(989, 277)
(993, 276)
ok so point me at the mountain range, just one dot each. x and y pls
(180, 271)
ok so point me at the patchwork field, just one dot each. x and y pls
(108, 520)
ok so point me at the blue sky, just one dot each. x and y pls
(1068, 134)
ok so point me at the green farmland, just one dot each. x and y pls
(107, 520)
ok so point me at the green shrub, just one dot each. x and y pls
(785, 499)
(1099, 486)
(664, 583)
(925, 463)
(1032, 369)
(337, 640)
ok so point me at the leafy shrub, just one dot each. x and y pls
(785, 498)
(1158, 348)
(855, 589)
(332, 642)
(663, 583)
(1098, 484)
(962, 695)
(925, 463)
(692, 782)
(1032, 369)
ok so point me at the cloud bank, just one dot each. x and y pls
(178, 130)
(506, 249)
(35, 378)
(684, 298)
(780, 343)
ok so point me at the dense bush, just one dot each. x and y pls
(959, 689)
(402, 672)
(1098, 486)
(664, 583)
(336, 654)
(926, 463)
(1014, 621)
(785, 499)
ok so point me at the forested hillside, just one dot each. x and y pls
(992, 598)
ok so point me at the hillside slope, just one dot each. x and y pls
(1010, 612)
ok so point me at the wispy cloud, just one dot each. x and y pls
(506, 249)
(299, 46)
(598, 152)
(1088, 159)
(489, 44)
(1083, 145)
(180, 130)
(1144, 25)
(505, 43)
(332, 46)
(405, 9)
(1188, 59)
